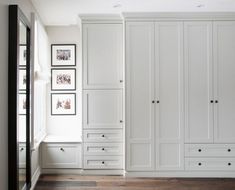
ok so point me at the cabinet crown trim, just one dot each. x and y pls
(112, 18)
(148, 16)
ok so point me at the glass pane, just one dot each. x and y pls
(22, 106)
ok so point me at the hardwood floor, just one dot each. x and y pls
(76, 182)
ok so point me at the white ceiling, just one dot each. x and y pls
(65, 12)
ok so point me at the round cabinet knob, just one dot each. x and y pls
(229, 164)
(199, 150)
(102, 135)
(103, 149)
(158, 101)
(121, 81)
(212, 101)
(229, 150)
(21, 149)
(102, 162)
(153, 101)
(216, 101)
(62, 149)
(121, 121)
(199, 163)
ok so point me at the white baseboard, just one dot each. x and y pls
(184, 174)
(35, 178)
(82, 172)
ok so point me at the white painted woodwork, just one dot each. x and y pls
(61, 155)
(224, 81)
(103, 135)
(103, 162)
(140, 93)
(102, 109)
(102, 56)
(210, 150)
(210, 164)
(103, 149)
(169, 122)
(198, 82)
(22, 156)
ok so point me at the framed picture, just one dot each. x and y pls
(63, 55)
(22, 55)
(63, 104)
(22, 103)
(63, 79)
(22, 79)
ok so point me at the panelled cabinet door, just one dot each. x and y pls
(199, 99)
(102, 56)
(102, 109)
(224, 60)
(169, 93)
(140, 93)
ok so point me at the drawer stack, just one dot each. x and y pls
(103, 149)
(210, 157)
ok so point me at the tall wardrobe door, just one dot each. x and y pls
(140, 93)
(198, 82)
(169, 93)
(224, 58)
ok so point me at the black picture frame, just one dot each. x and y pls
(21, 82)
(63, 87)
(55, 104)
(21, 54)
(21, 96)
(62, 63)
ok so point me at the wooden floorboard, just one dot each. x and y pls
(77, 182)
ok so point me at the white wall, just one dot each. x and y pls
(69, 126)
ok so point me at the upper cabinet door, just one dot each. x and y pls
(198, 82)
(102, 56)
(139, 96)
(169, 93)
(224, 59)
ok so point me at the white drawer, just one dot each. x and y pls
(209, 150)
(61, 155)
(103, 162)
(103, 149)
(210, 164)
(103, 135)
(22, 156)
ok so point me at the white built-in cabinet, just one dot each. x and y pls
(103, 80)
(210, 80)
(154, 74)
(180, 89)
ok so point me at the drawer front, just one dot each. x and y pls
(61, 156)
(103, 149)
(103, 162)
(22, 156)
(209, 150)
(102, 135)
(210, 164)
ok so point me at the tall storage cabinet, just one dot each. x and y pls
(210, 81)
(180, 89)
(103, 122)
(154, 95)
